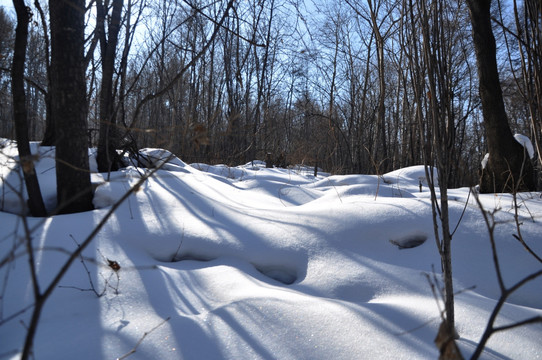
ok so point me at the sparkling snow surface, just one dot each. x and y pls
(256, 263)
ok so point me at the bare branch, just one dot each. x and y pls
(134, 349)
(533, 320)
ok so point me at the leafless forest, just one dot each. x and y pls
(349, 86)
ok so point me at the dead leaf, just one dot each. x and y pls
(113, 265)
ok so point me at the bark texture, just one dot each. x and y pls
(69, 105)
(20, 116)
(108, 142)
(509, 167)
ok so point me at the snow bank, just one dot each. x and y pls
(249, 262)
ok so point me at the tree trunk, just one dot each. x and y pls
(108, 142)
(438, 141)
(69, 107)
(509, 167)
(382, 162)
(35, 200)
(49, 135)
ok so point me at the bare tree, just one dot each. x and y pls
(529, 39)
(439, 142)
(35, 200)
(7, 27)
(108, 142)
(236, 101)
(69, 105)
(49, 135)
(508, 164)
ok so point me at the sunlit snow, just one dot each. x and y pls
(250, 262)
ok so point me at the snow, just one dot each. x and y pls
(485, 160)
(526, 143)
(523, 140)
(248, 262)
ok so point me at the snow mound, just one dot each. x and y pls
(410, 177)
(252, 262)
(13, 194)
(153, 158)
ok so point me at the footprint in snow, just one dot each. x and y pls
(409, 241)
(284, 275)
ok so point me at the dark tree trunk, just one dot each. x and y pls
(35, 200)
(381, 148)
(108, 142)
(69, 107)
(49, 136)
(50, 133)
(509, 168)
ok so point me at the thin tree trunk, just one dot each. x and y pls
(108, 141)
(381, 143)
(49, 136)
(20, 116)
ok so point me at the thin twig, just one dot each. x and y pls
(92, 287)
(519, 235)
(178, 248)
(462, 213)
(490, 225)
(134, 349)
(505, 292)
(16, 314)
(42, 297)
(532, 320)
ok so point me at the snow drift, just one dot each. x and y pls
(248, 262)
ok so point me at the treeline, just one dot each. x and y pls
(339, 84)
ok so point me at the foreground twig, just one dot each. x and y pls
(519, 236)
(41, 297)
(506, 292)
(134, 349)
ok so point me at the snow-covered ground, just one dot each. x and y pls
(254, 263)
